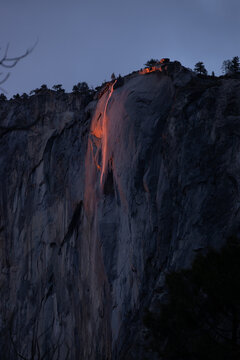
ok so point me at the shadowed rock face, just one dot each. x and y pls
(97, 203)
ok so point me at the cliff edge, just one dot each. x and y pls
(98, 201)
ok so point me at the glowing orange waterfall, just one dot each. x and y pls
(104, 132)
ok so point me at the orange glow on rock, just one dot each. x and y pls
(159, 66)
(99, 131)
(151, 69)
(104, 130)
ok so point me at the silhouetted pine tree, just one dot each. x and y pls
(200, 68)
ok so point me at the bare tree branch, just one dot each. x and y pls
(8, 62)
(5, 78)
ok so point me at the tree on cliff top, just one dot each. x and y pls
(81, 88)
(235, 64)
(152, 62)
(200, 68)
(201, 320)
(58, 88)
(231, 66)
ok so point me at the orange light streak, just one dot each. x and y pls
(104, 132)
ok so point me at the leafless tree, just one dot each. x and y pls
(8, 62)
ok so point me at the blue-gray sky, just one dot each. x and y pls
(87, 40)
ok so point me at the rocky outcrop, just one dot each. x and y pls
(98, 202)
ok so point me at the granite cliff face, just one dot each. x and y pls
(98, 201)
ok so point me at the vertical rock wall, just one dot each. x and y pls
(98, 203)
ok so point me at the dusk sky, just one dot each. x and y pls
(88, 40)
